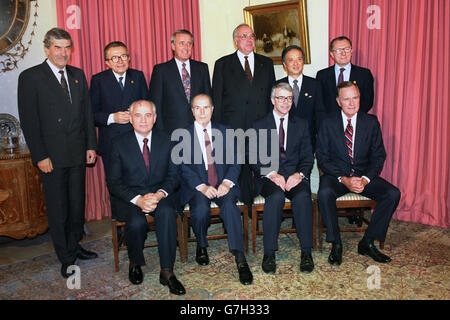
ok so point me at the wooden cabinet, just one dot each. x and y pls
(22, 204)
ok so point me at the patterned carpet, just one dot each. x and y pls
(420, 269)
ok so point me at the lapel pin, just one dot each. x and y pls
(306, 94)
(132, 81)
(76, 81)
(354, 81)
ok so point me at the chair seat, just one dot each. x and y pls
(353, 197)
(212, 206)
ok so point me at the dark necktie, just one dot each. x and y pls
(212, 174)
(64, 85)
(247, 70)
(349, 141)
(146, 154)
(281, 140)
(296, 91)
(121, 83)
(186, 82)
(341, 76)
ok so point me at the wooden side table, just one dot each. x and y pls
(22, 204)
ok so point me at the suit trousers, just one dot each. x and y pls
(301, 204)
(136, 229)
(64, 191)
(385, 194)
(229, 213)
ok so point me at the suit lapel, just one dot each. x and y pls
(359, 133)
(154, 156)
(53, 82)
(239, 72)
(290, 135)
(340, 134)
(195, 146)
(176, 78)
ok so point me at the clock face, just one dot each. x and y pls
(14, 15)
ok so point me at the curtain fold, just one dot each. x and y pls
(145, 26)
(409, 56)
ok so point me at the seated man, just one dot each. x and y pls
(143, 177)
(351, 154)
(291, 179)
(211, 178)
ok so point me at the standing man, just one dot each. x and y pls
(241, 91)
(344, 70)
(143, 177)
(112, 91)
(308, 98)
(291, 180)
(176, 81)
(351, 154)
(213, 179)
(58, 126)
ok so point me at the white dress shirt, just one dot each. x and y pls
(299, 82)
(251, 61)
(111, 115)
(180, 67)
(337, 71)
(58, 76)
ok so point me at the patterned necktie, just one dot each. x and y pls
(281, 140)
(341, 76)
(146, 154)
(64, 86)
(349, 141)
(121, 83)
(186, 82)
(247, 70)
(296, 91)
(212, 174)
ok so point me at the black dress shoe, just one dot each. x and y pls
(64, 268)
(369, 249)
(335, 256)
(175, 286)
(135, 274)
(306, 263)
(268, 264)
(84, 254)
(201, 256)
(245, 275)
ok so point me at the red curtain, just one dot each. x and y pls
(406, 45)
(145, 26)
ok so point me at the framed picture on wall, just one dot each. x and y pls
(278, 25)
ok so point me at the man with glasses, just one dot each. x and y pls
(291, 178)
(112, 92)
(176, 81)
(241, 91)
(212, 178)
(344, 70)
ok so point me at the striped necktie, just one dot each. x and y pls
(349, 141)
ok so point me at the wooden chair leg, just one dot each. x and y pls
(115, 245)
(181, 239)
(381, 245)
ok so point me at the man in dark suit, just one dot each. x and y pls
(143, 177)
(241, 91)
(351, 155)
(176, 81)
(112, 91)
(308, 98)
(344, 70)
(58, 126)
(212, 178)
(288, 178)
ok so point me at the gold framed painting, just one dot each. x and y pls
(277, 26)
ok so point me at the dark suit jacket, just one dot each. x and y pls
(128, 175)
(237, 103)
(361, 76)
(193, 174)
(107, 98)
(52, 126)
(167, 92)
(310, 105)
(299, 156)
(368, 154)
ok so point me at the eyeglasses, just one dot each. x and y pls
(341, 50)
(247, 36)
(123, 57)
(284, 99)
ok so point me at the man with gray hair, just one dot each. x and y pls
(58, 125)
(291, 179)
(241, 91)
(175, 82)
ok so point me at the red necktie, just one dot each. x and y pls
(281, 140)
(146, 155)
(212, 174)
(349, 141)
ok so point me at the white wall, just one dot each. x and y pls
(8, 80)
